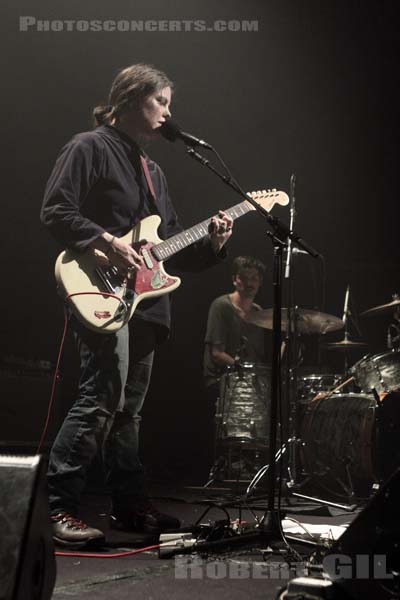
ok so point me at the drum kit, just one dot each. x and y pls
(343, 428)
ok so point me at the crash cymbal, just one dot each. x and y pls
(395, 303)
(307, 321)
(345, 344)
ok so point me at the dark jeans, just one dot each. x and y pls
(115, 373)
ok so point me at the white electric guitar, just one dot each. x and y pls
(103, 299)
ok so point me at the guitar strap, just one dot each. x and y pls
(148, 178)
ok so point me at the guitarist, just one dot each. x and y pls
(99, 189)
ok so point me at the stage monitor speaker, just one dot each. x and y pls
(365, 561)
(27, 563)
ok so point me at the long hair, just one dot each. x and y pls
(128, 90)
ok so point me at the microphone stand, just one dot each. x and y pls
(292, 349)
(269, 528)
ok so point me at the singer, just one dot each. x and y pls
(101, 185)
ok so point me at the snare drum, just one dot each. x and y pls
(244, 403)
(309, 386)
(380, 372)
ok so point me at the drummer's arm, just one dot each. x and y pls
(219, 356)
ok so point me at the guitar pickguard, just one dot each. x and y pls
(151, 277)
(158, 280)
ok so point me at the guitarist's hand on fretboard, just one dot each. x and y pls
(220, 230)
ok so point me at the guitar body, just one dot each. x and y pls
(103, 299)
(83, 276)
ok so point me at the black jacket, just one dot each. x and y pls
(98, 185)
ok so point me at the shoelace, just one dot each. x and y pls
(71, 521)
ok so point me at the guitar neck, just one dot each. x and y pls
(178, 242)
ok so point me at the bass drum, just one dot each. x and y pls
(338, 449)
(244, 404)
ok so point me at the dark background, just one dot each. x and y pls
(313, 92)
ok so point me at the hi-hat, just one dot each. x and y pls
(345, 344)
(395, 303)
(307, 321)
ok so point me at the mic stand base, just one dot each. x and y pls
(271, 529)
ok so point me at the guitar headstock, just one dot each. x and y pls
(267, 198)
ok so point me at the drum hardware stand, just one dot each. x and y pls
(293, 484)
(269, 529)
(347, 314)
(350, 507)
(348, 489)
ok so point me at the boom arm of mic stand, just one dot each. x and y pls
(278, 226)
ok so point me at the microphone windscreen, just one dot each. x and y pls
(170, 130)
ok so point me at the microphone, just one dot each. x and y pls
(346, 304)
(171, 131)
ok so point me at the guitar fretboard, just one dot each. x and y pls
(178, 242)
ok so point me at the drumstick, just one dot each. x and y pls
(336, 389)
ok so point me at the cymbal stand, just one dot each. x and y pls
(293, 484)
(346, 314)
(347, 317)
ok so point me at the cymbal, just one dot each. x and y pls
(307, 321)
(382, 308)
(344, 345)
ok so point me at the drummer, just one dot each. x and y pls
(230, 338)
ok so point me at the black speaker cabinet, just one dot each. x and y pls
(365, 560)
(27, 563)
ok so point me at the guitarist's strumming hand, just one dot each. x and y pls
(119, 253)
(220, 230)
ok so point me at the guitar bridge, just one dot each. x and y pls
(113, 283)
(125, 305)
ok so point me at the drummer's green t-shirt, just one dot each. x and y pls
(225, 326)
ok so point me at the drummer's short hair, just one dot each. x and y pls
(240, 263)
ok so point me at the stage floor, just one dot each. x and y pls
(245, 573)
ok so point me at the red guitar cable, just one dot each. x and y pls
(55, 377)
